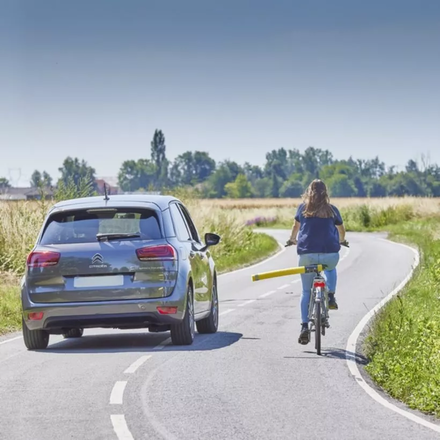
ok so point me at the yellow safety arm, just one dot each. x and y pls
(284, 272)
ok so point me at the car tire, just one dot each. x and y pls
(73, 333)
(183, 333)
(34, 339)
(210, 323)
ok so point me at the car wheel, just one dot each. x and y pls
(34, 339)
(73, 333)
(210, 324)
(183, 333)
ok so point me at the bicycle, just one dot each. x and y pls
(318, 305)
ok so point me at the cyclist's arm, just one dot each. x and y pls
(341, 230)
(295, 230)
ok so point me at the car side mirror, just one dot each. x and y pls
(212, 239)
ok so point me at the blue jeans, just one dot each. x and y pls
(331, 260)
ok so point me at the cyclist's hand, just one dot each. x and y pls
(291, 242)
(344, 243)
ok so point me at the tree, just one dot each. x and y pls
(135, 175)
(340, 185)
(314, 159)
(75, 171)
(360, 187)
(226, 172)
(158, 157)
(4, 183)
(292, 187)
(276, 163)
(262, 187)
(412, 167)
(404, 184)
(204, 166)
(240, 188)
(181, 172)
(190, 168)
(38, 179)
(377, 189)
(275, 186)
(252, 172)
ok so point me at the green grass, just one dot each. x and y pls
(257, 248)
(10, 309)
(404, 342)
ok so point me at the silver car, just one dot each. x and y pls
(126, 262)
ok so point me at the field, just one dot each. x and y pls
(359, 213)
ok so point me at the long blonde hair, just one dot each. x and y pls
(316, 201)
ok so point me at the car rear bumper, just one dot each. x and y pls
(128, 313)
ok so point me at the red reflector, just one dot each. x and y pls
(319, 284)
(167, 310)
(43, 259)
(161, 252)
(36, 316)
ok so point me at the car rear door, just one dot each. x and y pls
(204, 291)
(196, 257)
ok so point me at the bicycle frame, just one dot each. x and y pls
(318, 309)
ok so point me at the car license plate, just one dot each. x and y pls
(99, 281)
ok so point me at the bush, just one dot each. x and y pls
(364, 217)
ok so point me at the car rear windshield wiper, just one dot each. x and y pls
(115, 236)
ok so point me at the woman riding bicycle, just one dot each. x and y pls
(321, 231)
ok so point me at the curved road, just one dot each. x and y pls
(252, 380)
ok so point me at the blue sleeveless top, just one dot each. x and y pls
(318, 235)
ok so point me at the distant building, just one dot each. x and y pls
(110, 183)
(25, 193)
(30, 193)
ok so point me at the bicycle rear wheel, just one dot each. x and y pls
(318, 326)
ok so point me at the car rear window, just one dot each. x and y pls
(83, 226)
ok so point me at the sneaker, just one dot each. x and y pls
(332, 304)
(304, 336)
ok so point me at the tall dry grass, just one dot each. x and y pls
(358, 213)
(424, 205)
(21, 221)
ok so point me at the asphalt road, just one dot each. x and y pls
(251, 380)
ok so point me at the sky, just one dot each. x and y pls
(93, 79)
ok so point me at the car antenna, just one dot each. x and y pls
(106, 198)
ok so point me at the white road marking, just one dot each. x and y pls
(284, 286)
(135, 365)
(163, 344)
(351, 348)
(120, 427)
(225, 312)
(247, 302)
(10, 340)
(264, 295)
(117, 395)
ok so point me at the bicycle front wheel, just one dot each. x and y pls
(318, 326)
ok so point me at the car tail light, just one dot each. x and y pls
(161, 252)
(36, 316)
(43, 259)
(319, 284)
(167, 310)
